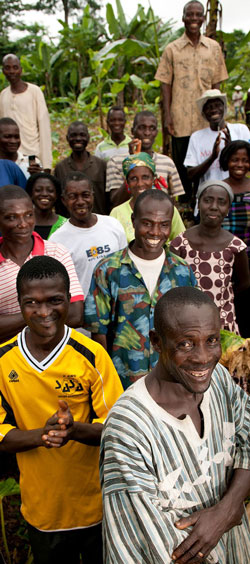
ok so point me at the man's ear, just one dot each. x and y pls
(155, 340)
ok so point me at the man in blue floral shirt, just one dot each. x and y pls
(126, 285)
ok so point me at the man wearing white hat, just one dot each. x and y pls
(237, 99)
(205, 145)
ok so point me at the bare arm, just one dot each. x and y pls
(241, 272)
(195, 172)
(99, 338)
(10, 325)
(167, 98)
(75, 315)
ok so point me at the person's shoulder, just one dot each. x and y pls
(112, 261)
(63, 229)
(7, 346)
(4, 91)
(34, 88)
(221, 378)
(241, 129)
(108, 220)
(52, 248)
(96, 160)
(175, 260)
(163, 159)
(210, 42)
(176, 43)
(85, 346)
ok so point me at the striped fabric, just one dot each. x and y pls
(238, 219)
(164, 167)
(9, 270)
(156, 469)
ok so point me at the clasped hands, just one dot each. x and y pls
(58, 429)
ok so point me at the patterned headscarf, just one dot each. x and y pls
(138, 159)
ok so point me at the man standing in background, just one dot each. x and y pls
(25, 103)
(189, 66)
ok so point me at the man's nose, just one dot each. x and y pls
(44, 309)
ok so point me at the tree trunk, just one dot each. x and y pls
(214, 9)
(66, 11)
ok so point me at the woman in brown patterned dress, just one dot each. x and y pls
(218, 258)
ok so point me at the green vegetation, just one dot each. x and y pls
(94, 64)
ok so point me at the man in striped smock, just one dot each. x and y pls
(174, 456)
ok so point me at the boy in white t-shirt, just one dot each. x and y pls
(89, 237)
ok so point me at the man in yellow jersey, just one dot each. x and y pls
(56, 389)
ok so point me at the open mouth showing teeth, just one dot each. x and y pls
(154, 242)
(199, 374)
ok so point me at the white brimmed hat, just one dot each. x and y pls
(211, 95)
(237, 87)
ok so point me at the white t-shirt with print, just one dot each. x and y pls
(201, 145)
(88, 245)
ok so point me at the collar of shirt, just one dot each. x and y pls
(38, 246)
(185, 40)
(110, 143)
(125, 259)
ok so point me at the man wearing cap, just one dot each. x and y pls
(188, 66)
(205, 145)
(237, 99)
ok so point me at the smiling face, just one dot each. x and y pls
(44, 305)
(190, 348)
(78, 137)
(78, 197)
(139, 179)
(9, 139)
(214, 205)
(193, 17)
(12, 69)
(214, 112)
(17, 220)
(152, 226)
(116, 121)
(239, 164)
(145, 130)
(43, 194)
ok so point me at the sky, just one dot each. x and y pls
(236, 15)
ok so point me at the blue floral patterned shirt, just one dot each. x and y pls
(119, 306)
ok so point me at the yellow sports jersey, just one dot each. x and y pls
(60, 486)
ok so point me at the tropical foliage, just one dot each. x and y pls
(94, 64)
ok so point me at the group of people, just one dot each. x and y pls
(111, 312)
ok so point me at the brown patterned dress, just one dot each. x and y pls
(213, 272)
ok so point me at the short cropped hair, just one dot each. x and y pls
(158, 195)
(230, 149)
(32, 179)
(77, 176)
(178, 297)
(40, 267)
(12, 192)
(192, 2)
(116, 109)
(7, 121)
(143, 113)
(76, 123)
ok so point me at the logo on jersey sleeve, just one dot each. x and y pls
(97, 252)
(13, 376)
